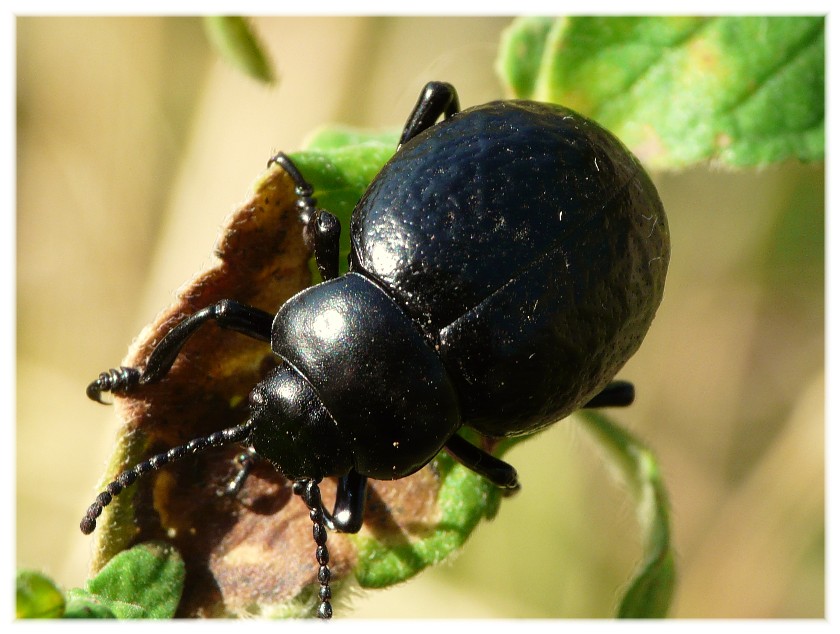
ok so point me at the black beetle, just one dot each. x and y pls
(505, 264)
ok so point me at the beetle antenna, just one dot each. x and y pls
(311, 495)
(126, 478)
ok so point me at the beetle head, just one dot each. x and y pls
(293, 429)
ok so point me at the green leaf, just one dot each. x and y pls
(649, 593)
(346, 139)
(742, 91)
(37, 597)
(521, 53)
(81, 604)
(235, 42)
(340, 173)
(464, 499)
(145, 581)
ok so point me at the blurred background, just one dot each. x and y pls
(134, 141)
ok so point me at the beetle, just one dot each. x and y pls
(505, 263)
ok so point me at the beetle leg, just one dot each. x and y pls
(348, 512)
(616, 394)
(323, 232)
(321, 228)
(227, 313)
(437, 98)
(247, 459)
(497, 471)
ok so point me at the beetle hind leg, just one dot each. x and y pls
(497, 471)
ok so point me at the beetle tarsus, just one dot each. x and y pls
(306, 204)
(497, 471)
(227, 313)
(116, 380)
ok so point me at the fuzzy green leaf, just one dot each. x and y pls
(742, 91)
(340, 163)
(236, 43)
(37, 597)
(81, 604)
(649, 592)
(464, 499)
(145, 581)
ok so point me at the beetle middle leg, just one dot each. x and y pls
(437, 98)
(497, 471)
(228, 314)
(321, 228)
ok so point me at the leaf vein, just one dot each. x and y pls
(761, 83)
(667, 51)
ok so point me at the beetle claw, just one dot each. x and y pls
(116, 380)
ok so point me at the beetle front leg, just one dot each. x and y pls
(437, 98)
(246, 459)
(349, 510)
(228, 314)
(497, 471)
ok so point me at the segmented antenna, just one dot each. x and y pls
(126, 478)
(311, 495)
